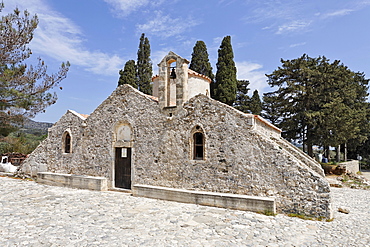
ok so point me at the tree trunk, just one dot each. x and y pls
(309, 150)
(345, 151)
(327, 152)
(337, 156)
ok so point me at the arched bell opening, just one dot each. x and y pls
(171, 83)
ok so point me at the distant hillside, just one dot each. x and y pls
(30, 124)
(33, 127)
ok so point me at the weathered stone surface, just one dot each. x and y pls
(352, 166)
(239, 159)
(243, 154)
(224, 200)
(34, 214)
(73, 181)
(344, 210)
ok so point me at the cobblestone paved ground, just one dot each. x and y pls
(32, 214)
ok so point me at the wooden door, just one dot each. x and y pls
(123, 168)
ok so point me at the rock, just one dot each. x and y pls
(340, 169)
(334, 182)
(344, 210)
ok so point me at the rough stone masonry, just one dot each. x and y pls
(196, 143)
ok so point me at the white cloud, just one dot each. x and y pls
(272, 10)
(253, 73)
(165, 26)
(293, 26)
(349, 8)
(282, 17)
(217, 41)
(125, 7)
(336, 13)
(157, 57)
(59, 38)
(297, 44)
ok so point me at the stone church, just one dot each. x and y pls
(180, 138)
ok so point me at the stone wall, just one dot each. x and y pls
(238, 158)
(36, 161)
(266, 128)
(49, 155)
(352, 166)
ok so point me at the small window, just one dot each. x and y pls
(67, 143)
(198, 140)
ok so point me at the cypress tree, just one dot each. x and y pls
(200, 61)
(225, 85)
(128, 74)
(242, 99)
(144, 66)
(255, 104)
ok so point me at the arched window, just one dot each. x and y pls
(198, 142)
(67, 143)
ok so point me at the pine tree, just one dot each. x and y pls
(225, 85)
(242, 99)
(144, 66)
(272, 108)
(319, 103)
(343, 111)
(128, 74)
(200, 61)
(255, 104)
(297, 97)
(24, 88)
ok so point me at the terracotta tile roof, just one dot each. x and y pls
(152, 97)
(82, 116)
(267, 123)
(190, 72)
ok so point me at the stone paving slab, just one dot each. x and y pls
(366, 174)
(34, 214)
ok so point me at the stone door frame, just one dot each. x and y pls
(122, 138)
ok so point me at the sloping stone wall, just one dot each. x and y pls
(36, 161)
(49, 155)
(238, 158)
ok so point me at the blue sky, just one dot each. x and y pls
(98, 36)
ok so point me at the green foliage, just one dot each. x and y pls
(225, 86)
(20, 142)
(242, 99)
(128, 74)
(305, 217)
(356, 148)
(144, 66)
(272, 108)
(255, 105)
(200, 61)
(269, 213)
(24, 89)
(318, 102)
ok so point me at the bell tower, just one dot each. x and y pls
(172, 81)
